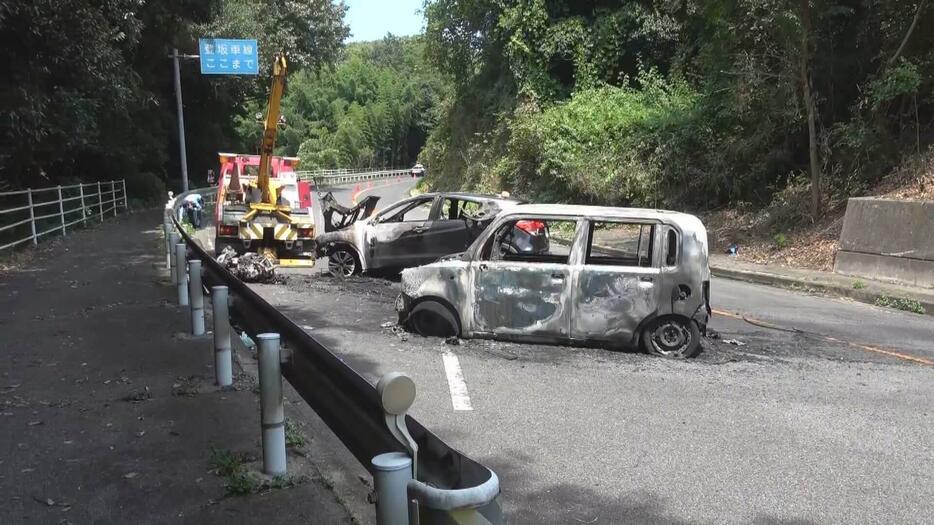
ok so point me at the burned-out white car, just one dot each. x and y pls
(611, 276)
(413, 231)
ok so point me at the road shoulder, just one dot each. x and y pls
(855, 288)
(109, 407)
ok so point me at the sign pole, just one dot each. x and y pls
(181, 121)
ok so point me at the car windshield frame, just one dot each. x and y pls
(403, 206)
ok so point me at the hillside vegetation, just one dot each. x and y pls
(373, 108)
(682, 104)
(685, 104)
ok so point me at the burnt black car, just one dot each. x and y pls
(411, 232)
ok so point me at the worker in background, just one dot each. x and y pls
(194, 204)
(210, 177)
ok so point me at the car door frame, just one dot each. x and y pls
(548, 334)
(643, 285)
(379, 252)
(438, 229)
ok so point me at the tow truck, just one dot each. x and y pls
(261, 205)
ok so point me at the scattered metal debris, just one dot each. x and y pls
(735, 342)
(396, 330)
(249, 267)
(139, 396)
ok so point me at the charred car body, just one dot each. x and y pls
(413, 231)
(611, 276)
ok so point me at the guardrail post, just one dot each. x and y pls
(126, 199)
(391, 474)
(32, 218)
(170, 254)
(84, 215)
(272, 411)
(393, 471)
(223, 367)
(113, 196)
(180, 259)
(100, 200)
(196, 297)
(61, 210)
(167, 236)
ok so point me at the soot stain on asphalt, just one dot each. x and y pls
(367, 303)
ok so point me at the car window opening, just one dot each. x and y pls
(531, 241)
(620, 244)
(671, 254)
(415, 212)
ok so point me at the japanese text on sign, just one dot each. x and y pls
(224, 56)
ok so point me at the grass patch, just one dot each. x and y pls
(900, 303)
(858, 285)
(188, 227)
(240, 481)
(223, 462)
(781, 242)
(294, 437)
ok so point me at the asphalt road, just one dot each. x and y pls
(766, 425)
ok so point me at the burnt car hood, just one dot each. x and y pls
(338, 217)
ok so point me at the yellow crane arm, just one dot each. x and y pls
(271, 128)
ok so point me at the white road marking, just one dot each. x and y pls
(459, 396)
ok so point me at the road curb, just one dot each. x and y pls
(781, 281)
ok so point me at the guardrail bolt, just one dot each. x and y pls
(391, 474)
(196, 297)
(223, 368)
(182, 281)
(272, 411)
(170, 255)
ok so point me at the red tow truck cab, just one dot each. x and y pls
(290, 235)
(247, 167)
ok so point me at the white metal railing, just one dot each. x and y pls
(38, 212)
(332, 177)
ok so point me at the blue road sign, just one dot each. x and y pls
(225, 56)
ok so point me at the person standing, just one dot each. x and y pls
(210, 177)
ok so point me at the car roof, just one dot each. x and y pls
(467, 195)
(684, 220)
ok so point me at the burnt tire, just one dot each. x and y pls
(343, 262)
(673, 337)
(433, 319)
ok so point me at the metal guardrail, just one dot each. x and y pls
(327, 178)
(450, 487)
(34, 213)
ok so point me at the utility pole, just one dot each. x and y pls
(181, 120)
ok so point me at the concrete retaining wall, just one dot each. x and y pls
(889, 240)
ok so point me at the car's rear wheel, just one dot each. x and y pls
(433, 319)
(342, 262)
(672, 336)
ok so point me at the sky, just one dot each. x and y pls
(372, 19)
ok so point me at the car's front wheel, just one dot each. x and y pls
(342, 262)
(433, 319)
(672, 336)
